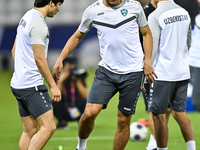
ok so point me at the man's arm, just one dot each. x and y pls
(71, 44)
(148, 45)
(13, 51)
(43, 67)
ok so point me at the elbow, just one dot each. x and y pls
(38, 61)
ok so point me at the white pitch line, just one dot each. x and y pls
(75, 138)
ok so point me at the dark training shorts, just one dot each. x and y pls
(33, 101)
(163, 93)
(106, 84)
(146, 95)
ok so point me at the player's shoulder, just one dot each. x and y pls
(132, 1)
(135, 3)
(94, 6)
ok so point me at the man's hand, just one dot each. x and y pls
(143, 89)
(57, 68)
(55, 94)
(149, 71)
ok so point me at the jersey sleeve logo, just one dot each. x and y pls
(124, 12)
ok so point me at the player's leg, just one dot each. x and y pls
(169, 111)
(47, 128)
(186, 129)
(195, 73)
(30, 127)
(160, 95)
(129, 86)
(40, 107)
(123, 130)
(152, 142)
(161, 129)
(86, 123)
(152, 145)
(101, 91)
(179, 114)
(184, 124)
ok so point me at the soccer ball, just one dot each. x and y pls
(138, 131)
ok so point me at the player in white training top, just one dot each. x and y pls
(30, 69)
(171, 30)
(194, 61)
(121, 68)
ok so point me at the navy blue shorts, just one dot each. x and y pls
(33, 101)
(106, 84)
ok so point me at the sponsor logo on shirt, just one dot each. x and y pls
(124, 12)
(174, 19)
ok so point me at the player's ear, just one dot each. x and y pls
(51, 3)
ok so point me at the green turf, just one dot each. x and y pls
(103, 134)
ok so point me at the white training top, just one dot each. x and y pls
(194, 52)
(171, 31)
(32, 29)
(118, 33)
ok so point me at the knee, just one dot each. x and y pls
(30, 130)
(159, 117)
(180, 116)
(123, 121)
(175, 115)
(88, 116)
(52, 128)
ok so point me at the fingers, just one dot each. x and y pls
(56, 99)
(56, 72)
(143, 89)
(151, 77)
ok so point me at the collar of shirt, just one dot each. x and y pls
(161, 3)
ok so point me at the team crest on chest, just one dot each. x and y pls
(124, 12)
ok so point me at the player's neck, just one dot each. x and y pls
(153, 4)
(43, 11)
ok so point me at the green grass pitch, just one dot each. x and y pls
(105, 125)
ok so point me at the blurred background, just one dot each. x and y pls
(61, 27)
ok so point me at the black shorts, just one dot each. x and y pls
(33, 101)
(146, 95)
(106, 84)
(163, 93)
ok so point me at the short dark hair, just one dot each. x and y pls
(42, 3)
